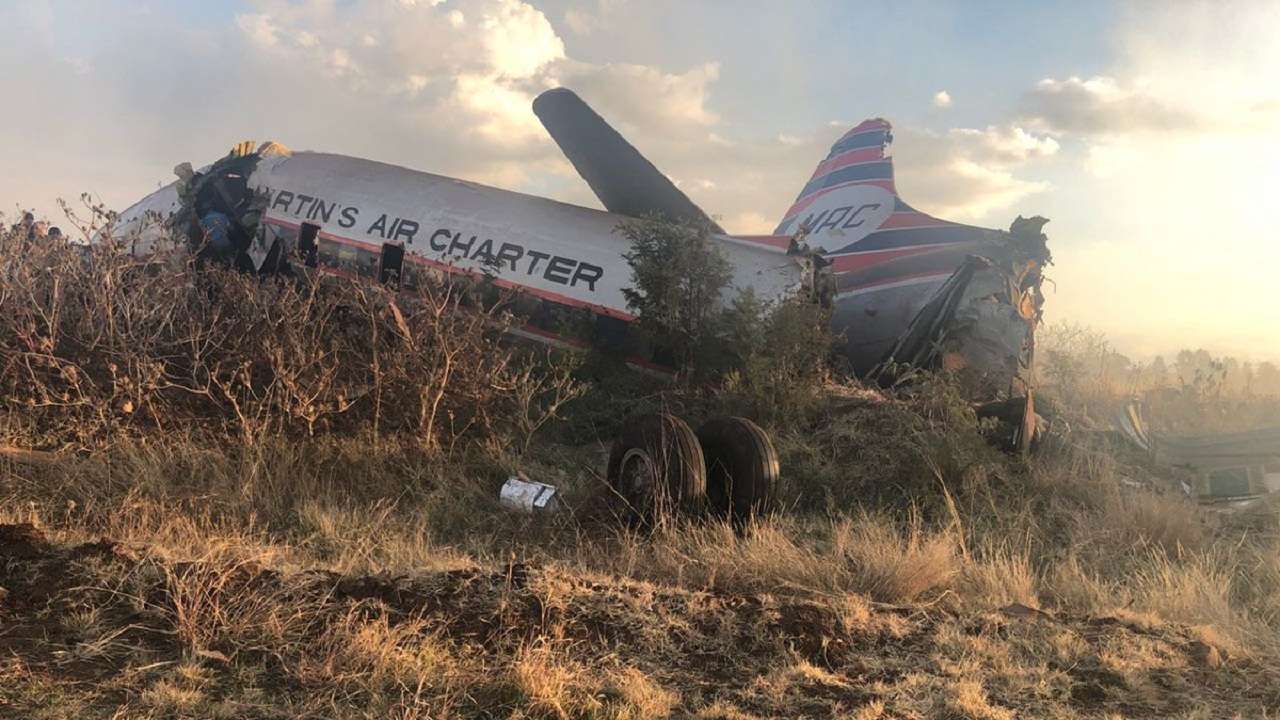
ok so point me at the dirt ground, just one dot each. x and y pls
(99, 629)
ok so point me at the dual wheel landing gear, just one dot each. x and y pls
(659, 466)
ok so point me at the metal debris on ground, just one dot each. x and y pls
(521, 493)
(1227, 466)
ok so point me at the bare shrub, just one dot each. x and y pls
(894, 451)
(101, 343)
(215, 603)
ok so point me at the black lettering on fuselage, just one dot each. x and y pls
(558, 269)
(812, 223)
(320, 211)
(587, 273)
(457, 244)
(303, 200)
(484, 253)
(504, 256)
(441, 246)
(836, 217)
(283, 198)
(408, 229)
(537, 257)
(509, 253)
(349, 217)
(379, 226)
(850, 222)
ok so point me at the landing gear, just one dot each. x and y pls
(656, 467)
(659, 466)
(742, 468)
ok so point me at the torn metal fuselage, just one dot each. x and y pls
(980, 327)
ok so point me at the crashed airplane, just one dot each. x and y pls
(903, 287)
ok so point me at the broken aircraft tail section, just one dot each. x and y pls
(887, 259)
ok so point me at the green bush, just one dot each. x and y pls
(679, 275)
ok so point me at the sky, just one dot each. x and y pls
(1148, 132)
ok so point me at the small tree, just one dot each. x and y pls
(678, 275)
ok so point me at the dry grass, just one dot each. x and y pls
(869, 555)
(345, 556)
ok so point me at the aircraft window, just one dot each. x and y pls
(391, 263)
(308, 245)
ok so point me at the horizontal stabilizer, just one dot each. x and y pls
(620, 176)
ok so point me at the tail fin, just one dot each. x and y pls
(851, 192)
(851, 209)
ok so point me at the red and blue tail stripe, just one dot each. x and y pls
(857, 160)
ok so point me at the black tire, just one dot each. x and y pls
(656, 467)
(742, 468)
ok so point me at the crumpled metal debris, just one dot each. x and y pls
(1227, 466)
(521, 493)
(222, 191)
(980, 326)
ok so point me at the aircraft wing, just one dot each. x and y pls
(620, 176)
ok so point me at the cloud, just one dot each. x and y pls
(942, 99)
(966, 173)
(1102, 105)
(585, 20)
(402, 82)
(1005, 144)
(258, 27)
(580, 22)
(1181, 146)
(519, 39)
(639, 95)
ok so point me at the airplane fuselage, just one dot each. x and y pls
(885, 258)
(560, 253)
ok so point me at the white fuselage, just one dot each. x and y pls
(559, 252)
